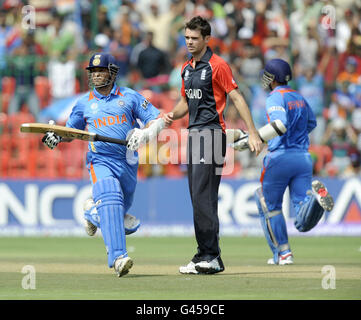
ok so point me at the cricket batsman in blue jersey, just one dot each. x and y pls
(287, 163)
(112, 111)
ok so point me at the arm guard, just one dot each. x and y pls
(267, 132)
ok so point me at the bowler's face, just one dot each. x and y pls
(195, 42)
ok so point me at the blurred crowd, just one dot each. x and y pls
(44, 64)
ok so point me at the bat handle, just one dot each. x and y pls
(111, 140)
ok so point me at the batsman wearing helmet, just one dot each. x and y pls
(288, 164)
(111, 111)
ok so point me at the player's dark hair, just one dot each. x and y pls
(201, 24)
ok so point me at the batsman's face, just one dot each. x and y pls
(99, 76)
(195, 41)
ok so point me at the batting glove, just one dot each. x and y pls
(136, 137)
(51, 140)
(242, 143)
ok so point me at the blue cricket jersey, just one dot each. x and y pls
(112, 116)
(292, 109)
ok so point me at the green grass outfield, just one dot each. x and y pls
(75, 268)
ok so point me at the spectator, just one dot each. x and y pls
(3, 35)
(251, 65)
(307, 48)
(343, 31)
(120, 49)
(310, 84)
(175, 81)
(329, 68)
(152, 62)
(354, 168)
(275, 47)
(62, 76)
(160, 23)
(341, 138)
(23, 68)
(350, 73)
(342, 103)
(56, 39)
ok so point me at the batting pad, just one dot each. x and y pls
(273, 225)
(92, 216)
(309, 214)
(111, 211)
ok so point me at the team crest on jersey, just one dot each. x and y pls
(94, 107)
(121, 103)
(203, 74)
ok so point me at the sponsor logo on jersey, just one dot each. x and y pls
(276, 108)
(186, 75)
(145, 104)
(194, 93)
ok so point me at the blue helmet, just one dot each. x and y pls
(276, 69)
(103, 60)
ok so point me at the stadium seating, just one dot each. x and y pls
(323, 155)
(8, 85)
(42, 89)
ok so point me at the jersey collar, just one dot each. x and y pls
(280, 87)
(205, 58)
(114, 92)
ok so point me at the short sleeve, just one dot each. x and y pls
(275, 108)
(143, 109)
(224, 77)
(183, 93)
(76, 119)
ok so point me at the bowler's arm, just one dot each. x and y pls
(178, 112)
(255, 141)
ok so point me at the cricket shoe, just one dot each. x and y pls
(283, 259)
(188, 269)
(322, 195)
(210, 267)
(90, 228)
(122, 265)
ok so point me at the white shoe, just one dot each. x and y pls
(210, 267)
(188, 269)
(90, 229)
(131, 224)
(284, 259)
(323, 196)
(122, 266)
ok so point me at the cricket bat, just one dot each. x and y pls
(69, 133)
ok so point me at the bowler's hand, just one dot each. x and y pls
(168, 119)
(255, 142)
